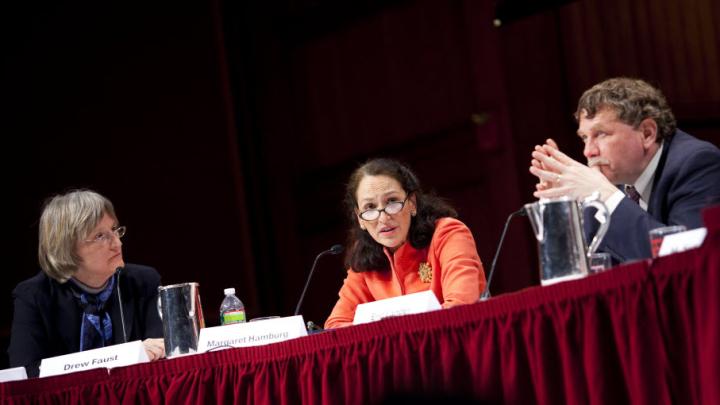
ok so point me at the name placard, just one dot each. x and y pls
(682, 241)
(251, 333)
(403, 305)
(120, 355)
(13, 374)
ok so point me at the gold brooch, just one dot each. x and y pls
(425, 272)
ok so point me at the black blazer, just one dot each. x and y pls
(47, 317)
(686, 180)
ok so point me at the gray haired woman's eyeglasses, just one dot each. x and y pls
(107, 237)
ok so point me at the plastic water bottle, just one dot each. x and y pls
(232, 309)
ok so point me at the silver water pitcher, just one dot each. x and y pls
(558, 227)
(182, 317)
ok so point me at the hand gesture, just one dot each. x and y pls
(559, 175)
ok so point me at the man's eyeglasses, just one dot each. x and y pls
(391, 208)
(107, 237)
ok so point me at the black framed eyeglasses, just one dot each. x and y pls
(391, 208)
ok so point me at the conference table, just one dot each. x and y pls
(644, 333)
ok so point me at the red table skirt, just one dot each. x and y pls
(645, 333)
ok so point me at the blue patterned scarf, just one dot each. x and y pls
(96, 326)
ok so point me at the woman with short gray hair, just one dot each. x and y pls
(73, 304)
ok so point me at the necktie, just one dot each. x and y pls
(632, 193)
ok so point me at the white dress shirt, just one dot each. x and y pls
(643, 185)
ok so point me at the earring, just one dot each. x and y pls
(413, 213)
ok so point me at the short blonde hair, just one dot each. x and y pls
(67, 218)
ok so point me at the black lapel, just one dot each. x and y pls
(655, 207)
(66, 312)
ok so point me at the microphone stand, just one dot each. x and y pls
(336, 249)
(486, 294)
(122, 315)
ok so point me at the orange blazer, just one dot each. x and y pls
(455, 274)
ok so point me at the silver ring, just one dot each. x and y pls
(557, 178)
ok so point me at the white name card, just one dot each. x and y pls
(251, 333)
(13, 374)
(120, 355)
(403, 305)
(682, 241)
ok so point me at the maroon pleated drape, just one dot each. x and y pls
(645, 333)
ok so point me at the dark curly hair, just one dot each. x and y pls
(363, 252)
(633, 100)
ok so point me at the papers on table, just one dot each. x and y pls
(682, 241)
(13, 374)
(403, 305)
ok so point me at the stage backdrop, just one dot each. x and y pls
(224, 131)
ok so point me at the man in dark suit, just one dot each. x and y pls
(649, 173)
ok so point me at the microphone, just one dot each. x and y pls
(334, 250)
(486, 294)
(122, 315)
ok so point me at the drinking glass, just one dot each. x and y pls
(600, 262)
(658, 234)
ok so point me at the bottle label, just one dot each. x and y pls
(232, 317)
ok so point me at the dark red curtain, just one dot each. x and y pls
(645, 333)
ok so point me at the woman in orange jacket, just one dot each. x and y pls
(403, 241)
